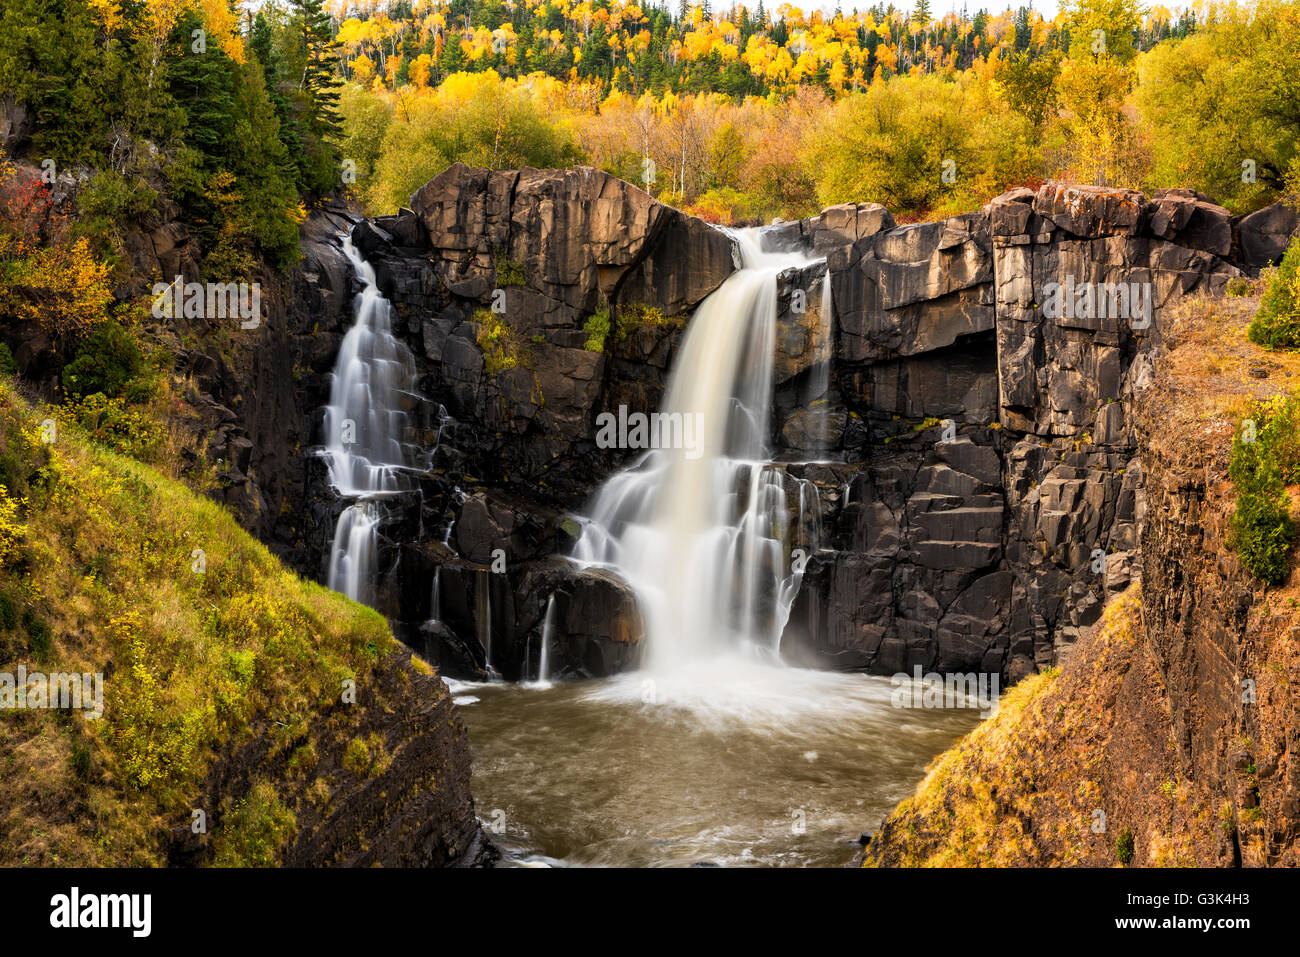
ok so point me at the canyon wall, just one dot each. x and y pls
(1176, 717)
(970, 485)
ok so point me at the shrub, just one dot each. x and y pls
(1277, 322)
(1276, 436)
(109, 362)
(303, 761)
(8, 365)
(501, 351)
(8, 613)
(254, 831)
(597, 329)
(1265, 459)
(1262, 532)
(116, 426)
(635, 316)
(357, 756)
(63, 288)
(11, 529)
(509, 272)
(1124, 846)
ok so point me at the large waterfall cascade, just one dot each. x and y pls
(365, 432)
(713, 747)
(703, 536)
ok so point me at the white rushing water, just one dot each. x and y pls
(714, 752)
(365, 431)
(548, 625)
(703, 536)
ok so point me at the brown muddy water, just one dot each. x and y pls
(731, 762)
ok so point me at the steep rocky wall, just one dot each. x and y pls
(992, 547)
(1224, 644)
(972, 462)
(1178, 717)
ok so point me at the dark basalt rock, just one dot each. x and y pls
(995, 551)
(983, 453)
(1261, 237)
(599, 630)
(412, 810)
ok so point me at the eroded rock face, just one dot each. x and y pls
(976, 484)
(881, 280)
(1055, 371)
(581, 237)
(957, 546)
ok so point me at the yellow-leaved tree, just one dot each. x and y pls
(1095, 133)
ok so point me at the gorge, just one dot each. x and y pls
(963, 472)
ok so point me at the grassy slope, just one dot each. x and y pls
(195, 663)
(1022, 788)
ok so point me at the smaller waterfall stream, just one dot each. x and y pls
(544, 666)
(365, 432)
(819, 378)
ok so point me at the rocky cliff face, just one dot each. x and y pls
(989, 542)
(971, 488)
(407, 803)
(1176, 717)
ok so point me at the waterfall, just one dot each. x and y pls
(810, 515)
(458, 498)
(356, 539)
(819, 376)
(435, 596)
(483, 616)
(365, 426)
(548, 624)
(704, 538)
